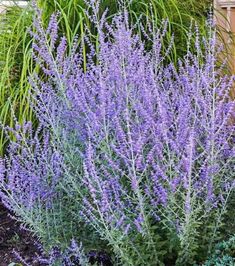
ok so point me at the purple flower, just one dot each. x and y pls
(129, 134)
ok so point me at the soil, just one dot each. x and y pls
(12, 237)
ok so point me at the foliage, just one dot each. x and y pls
(178, 14)
(224, 254)
(131, 155)
(15, 43)
(15, 66)
(72, 256)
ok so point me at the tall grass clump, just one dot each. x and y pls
(133, 157)
(178, 14)
(15, 66)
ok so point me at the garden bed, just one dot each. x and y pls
(126, 156)
(12, 237)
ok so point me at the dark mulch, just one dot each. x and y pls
(12, 237)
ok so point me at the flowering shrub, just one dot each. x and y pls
(138, 154)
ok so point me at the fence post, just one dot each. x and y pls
(225, 21)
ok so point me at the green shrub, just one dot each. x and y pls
(224, 254)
